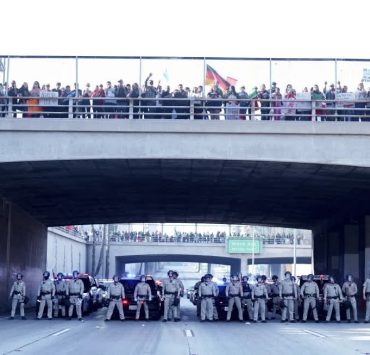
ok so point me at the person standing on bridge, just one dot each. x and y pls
(206, 293)
(142, 294)
(259, 297)
(332, 296)
(18, 295)
(170, 292)
(366, 298)
(75, 292)
(234, 291)
(310, 295)
(182, 290)
(46, 294)
(116, 293)
(349, 289)
(288, 293)
(60, 296)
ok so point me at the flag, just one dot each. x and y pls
(213, 77)
(231, 81)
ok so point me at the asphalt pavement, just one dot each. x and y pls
(188, 337)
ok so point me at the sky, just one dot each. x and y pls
(270, 28)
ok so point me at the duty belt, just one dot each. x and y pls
(74, 294)
(141, 295)
(275, 295)
(288, 294)
(115, 297)
(16, 292)
(351, 296)
(43, 293)
(237, 295)
(207, 296)
(263, 296)
(332, 297)
(170, 293)
(310, 294)
(247, 296)
(61, 293)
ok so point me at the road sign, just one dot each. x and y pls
(243, 246)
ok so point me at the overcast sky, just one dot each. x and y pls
(266, 28)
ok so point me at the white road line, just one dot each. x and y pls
(188, 333)
(61, 332)
(314, 333)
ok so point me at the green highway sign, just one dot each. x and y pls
(243, 246)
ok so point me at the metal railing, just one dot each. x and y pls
(185, 108)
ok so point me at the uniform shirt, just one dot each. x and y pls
(287, 287)
(367, 285)
(247, 290)
(76, 286)
(116, 289)
(171, 286)
(216, 290)
(18, 286)
(234, 289)
(332, 290)
(259, 290)
(206, 289)
(274, 289)
(349, 289)
(46, 286)
(310, 288)
(60, 287)
(142, 289)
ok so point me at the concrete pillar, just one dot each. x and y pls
(351, 261)
(209, 268)
(320, 251)
(23, 248)
(366, 248)
(335, 254)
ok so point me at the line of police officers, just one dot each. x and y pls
(285, 295)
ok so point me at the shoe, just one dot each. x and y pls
(80, 319)
(11, 318)
(227, 320)
(50, 318)
(366, 321)
(303, 321)
(356, 321)
(147, 319)
(264, 321)
(215, 320)
(273, 318)
(254, 321)
(241, 320)
(317, 321)
(202, 320)
(69, 318)
(282, 321)
(106, 320)
(24, 318)
(122, 320)
(292, 321)
(177, 320)
(164, 320)
(338, 321)
(327, 321)
(37, 318)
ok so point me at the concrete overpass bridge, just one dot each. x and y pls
(311, 175)
(122, 253)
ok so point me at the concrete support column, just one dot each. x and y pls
(335, 254)
(351, 261)
(320, 252)
(366, 248)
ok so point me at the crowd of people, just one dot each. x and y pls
(125, 101)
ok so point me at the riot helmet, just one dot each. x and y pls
(175, 274)
(142, 278)
(46, 275)
(115, 278)
(274, 278)
(60, 276)
(288, 275)
(310, 277)
(75, 274)
(19, 276)
(349, 277)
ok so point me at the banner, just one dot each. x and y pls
(366, 75)
(48, 98)
(345, 100)
(303, 101)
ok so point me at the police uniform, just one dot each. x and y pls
(142, 294)
(349, 291)
(216, 293)
(234, 291)
(309, 293)
(259, 295)
(275, 295)
(297, 301)
(17, 294)
(366, 295)
(288, 293)
(75, 291)
(46, 292)
(60, 297)
(116, 293)
(247, 299)
(206, 294)
(182, 289)
(170, 291)
(333, 294)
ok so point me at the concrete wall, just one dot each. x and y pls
(65, 252)
(23, 247)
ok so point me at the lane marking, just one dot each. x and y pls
(61, 332)
(189, 333)
(314, 333)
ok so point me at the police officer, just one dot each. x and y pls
(116, 293)
(182, 290)
(288, 293)
(170, 292)
(45, 294)
(60, 295)
(18, 294)
(310, 294)
(332, 296)
(234, 292)
(247, 297)
(264, 280)
(142, 294)
(366, 298)
(297, 301)
(75, 292)
(206, 294)
(259, 296)
(275, 295)
(349, 289)
(216, 293)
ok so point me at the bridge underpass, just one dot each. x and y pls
(304, 175)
